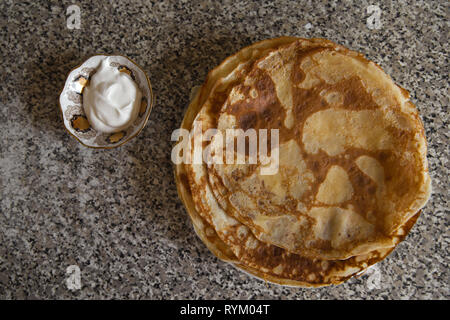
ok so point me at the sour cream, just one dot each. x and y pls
(112, 99)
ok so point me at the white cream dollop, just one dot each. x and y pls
(112, 99)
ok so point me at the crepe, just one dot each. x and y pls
(352, 153)
(255, 221)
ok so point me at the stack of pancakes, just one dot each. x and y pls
(352, 174)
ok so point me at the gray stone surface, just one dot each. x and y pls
(115, 213)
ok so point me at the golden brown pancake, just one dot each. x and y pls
(348, 135)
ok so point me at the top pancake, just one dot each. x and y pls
(352, 152)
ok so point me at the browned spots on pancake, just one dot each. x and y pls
(248, 120)
(184, 181)
(364, 188)
(364, 198)
(219, 97)
(217, 101)
(266, 112)
(262, 112)
(80, 123)
(262, 256)
(355, 95)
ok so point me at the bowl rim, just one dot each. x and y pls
(151, 102)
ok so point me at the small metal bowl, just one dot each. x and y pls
(71, 103)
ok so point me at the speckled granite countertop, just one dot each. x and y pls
(115, 214)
